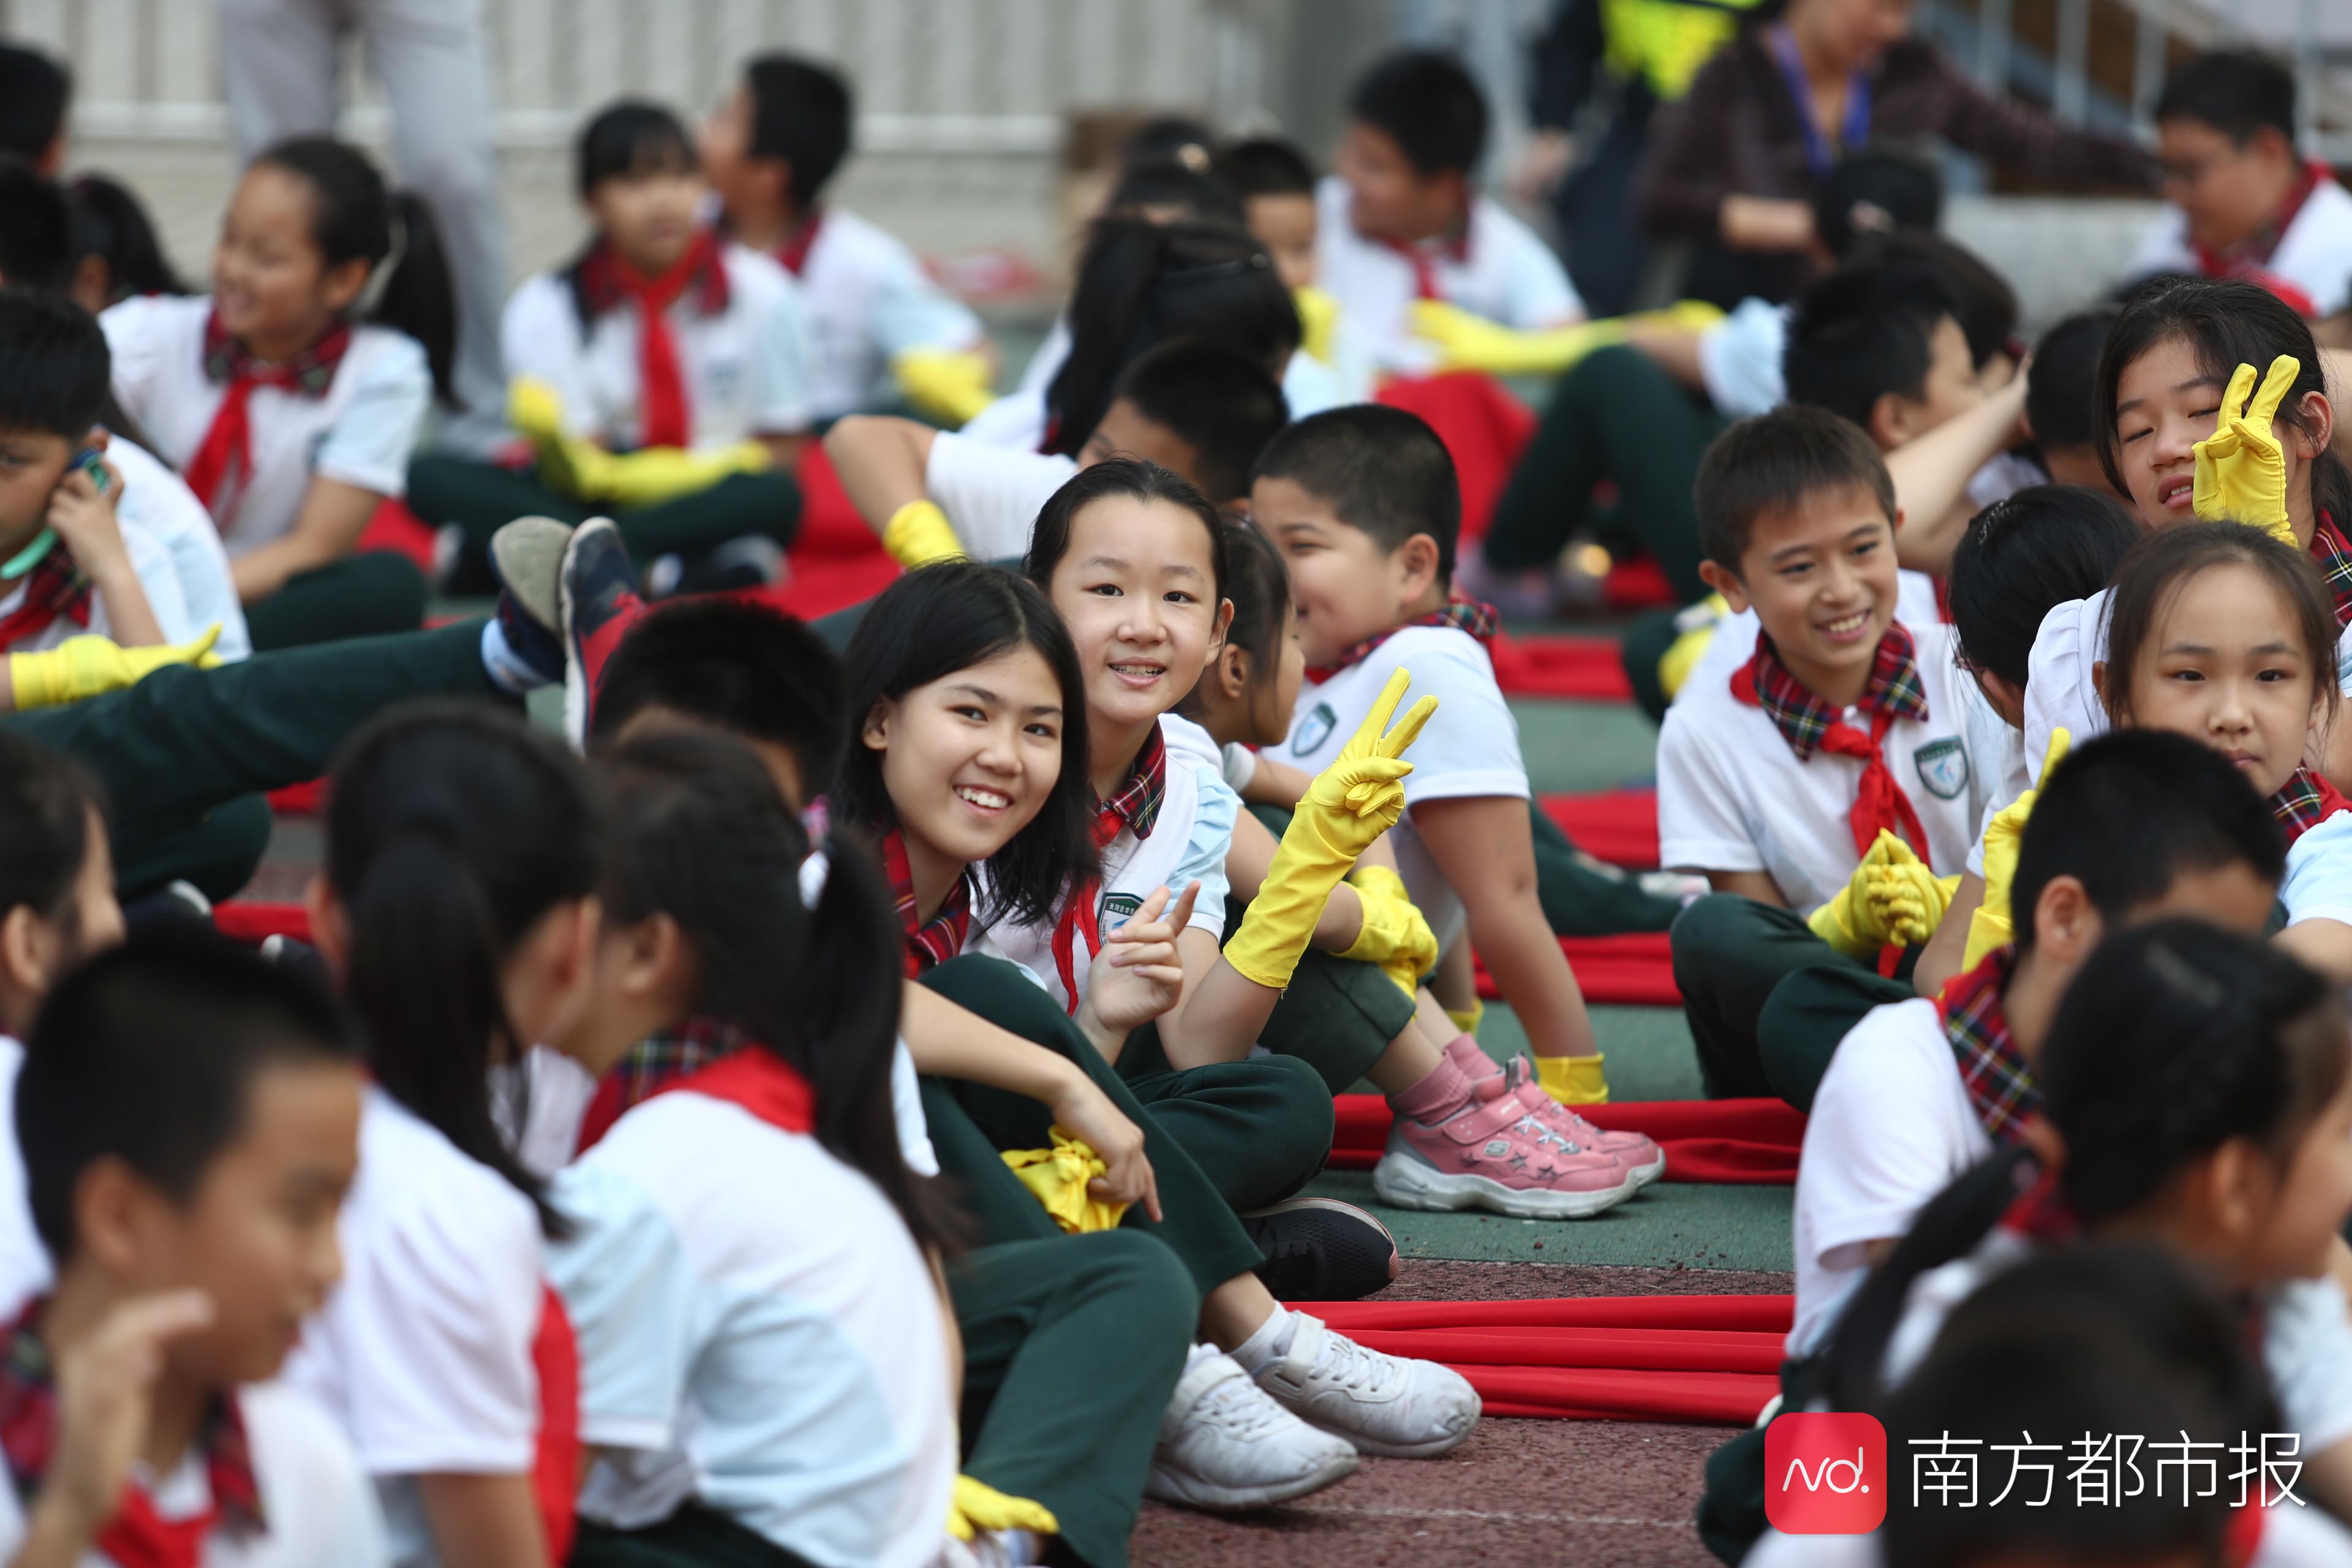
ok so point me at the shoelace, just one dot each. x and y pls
(1239, 1407)
(1342, 1361)
(1535, 1128)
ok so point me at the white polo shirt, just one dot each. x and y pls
(423, 1351)
(25, 1268)
(158, 505)
(360, 433)
(992, 494)
(319, 1507)
(749, 370)
(1890, 1128)
(1733, 796)
(1502, 271)
(868, 299)
(1188, 844)
(2315, 254)
(1470, 748)
(757, 1332)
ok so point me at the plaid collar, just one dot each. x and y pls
(54, 589)
(2333, 550)
(654, 1065)
(2304, 802)
(1994, 1071)
(941, 937)
(1137, 804)
(1802, 718)
(1481, 621)
(699, 277)
(28, 1420)
(310, 373)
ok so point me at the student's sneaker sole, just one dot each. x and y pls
(1320, 1249)
(1407, 1182)
(1169, 1485)
(600, 602)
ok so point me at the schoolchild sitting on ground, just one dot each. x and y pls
(877, 323)
(291, 396)
(664, 376)
(1847, 759)
(189, 1121)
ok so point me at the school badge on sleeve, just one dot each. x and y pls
(1313, 731)
(1943, 768)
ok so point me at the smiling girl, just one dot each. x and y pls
(290, 396)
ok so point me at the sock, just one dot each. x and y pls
(1473, 1063)
(1466, 1018)
(507, 672)
(1272, 1339)
(1201, 1352)
(1443, 1091)
(1573, 1080)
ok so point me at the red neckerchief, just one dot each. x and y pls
(941, 937)
(555, 1467)
(2041, 1213)
(1423, 256)
(1992, 1069)
(607, 282)
(1481, 621)
(1136, 805)
(136, 1537)
(227, 445)
(754, 1079)
(2304, 802)
(2252, 253)
(53, 588)
(794, 252)
(2333, 551)
(1809, 724)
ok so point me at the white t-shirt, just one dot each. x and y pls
(1739, 359)
(424, 1351)
(992, 494)
(1188, 843)
(2315, 254)
(1016, 421)
(1915, 604)
(360, 433)
(315, 1497)
(749, 370)
(1502, 270)
(1734, 796)
(1469, 750)
(2318, 885)
(756, 1330)
(25, 1268)
(158, 505)
(867, 300)
(1891, 1126)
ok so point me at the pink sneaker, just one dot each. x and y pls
(1643, 1159)
(1493, 1154)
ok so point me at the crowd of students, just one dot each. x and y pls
(852, 1103)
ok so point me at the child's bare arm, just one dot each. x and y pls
(1932, 473)
(1483, 847)
(1940, 959)
(1279, 783)
(2325, 944)
(1757, 885)
(881, 462)
(334, 516)
(483, 1520)
(81, 511)
(1674, 350)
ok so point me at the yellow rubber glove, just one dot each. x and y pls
(2241, 467)
(1990, 926)
(977, 1506)
(86, 666)
(949, 384)
(1057, 1177)
(586, 471)
(1395, 936)
(1905, 901)
(1467, 342)
(1318, 321)
(1466, 1018)
(1573, 1080)
(918, 534)
(1695, 628)
(1351, 802)
(1849, 922)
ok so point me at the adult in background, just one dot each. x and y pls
(282, 59)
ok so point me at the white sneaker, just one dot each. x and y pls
(1382, 1404)
(1224, 1445)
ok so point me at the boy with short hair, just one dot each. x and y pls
(189, 1118)
(2245, 203)
(2133, 826)
(769, 149)
(2059, 401)
(35, 91)
(1277, 190)
(1843, 724)
(1402, 220)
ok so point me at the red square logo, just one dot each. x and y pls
(1825, 1474)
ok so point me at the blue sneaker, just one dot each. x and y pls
(527, 559)
(601, 603)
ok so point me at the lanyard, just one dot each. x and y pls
(1857, 104)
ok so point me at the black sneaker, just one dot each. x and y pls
(1320, 1249)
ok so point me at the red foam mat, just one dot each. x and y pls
(254, 922)
(1635, 971)
(1618, 825)
(1737, 1142)
(1564, 665)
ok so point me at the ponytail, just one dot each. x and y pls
(419, 297)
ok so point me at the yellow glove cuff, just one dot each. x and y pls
(1318, 321)
(918, 534)
(949, 384)
(1988, 929)
(1835, 923)
(86, 667)
(1466, 1018)
(1057, 1178)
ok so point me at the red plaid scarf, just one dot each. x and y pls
(1809, 724)
(53, 588)
(794, 252)
(1136, 805)
(2334, 554)
(2000, 1083)
(941, 937)
(2253, 255)
(2304, 802)
(227, 445)
(136, 1537)
(606, 283)
(1481, 621)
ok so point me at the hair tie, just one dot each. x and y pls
(814, 872)
(379, 275)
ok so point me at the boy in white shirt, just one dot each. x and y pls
(880, 327)
(189, 1119)
(1842, 726)
(1401, 221)
(2130, 827)
(2244, 203)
